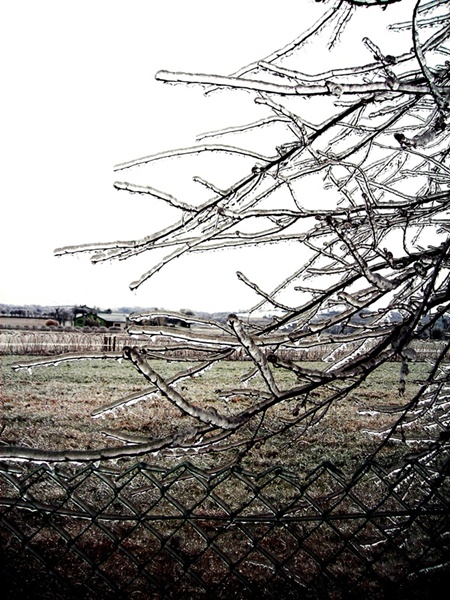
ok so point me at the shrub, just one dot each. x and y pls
(51, 323)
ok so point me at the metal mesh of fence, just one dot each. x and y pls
(148, 532)
(39, 342)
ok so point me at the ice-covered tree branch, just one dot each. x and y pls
(354, 183)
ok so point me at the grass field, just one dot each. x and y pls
(51, 408)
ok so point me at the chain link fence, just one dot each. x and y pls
(148, 532)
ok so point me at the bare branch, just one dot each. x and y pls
(194, 150)
(209, 416)
(329, 88)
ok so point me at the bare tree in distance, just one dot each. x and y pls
(357, 188)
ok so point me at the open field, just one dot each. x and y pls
(51, 408)
(156, 531)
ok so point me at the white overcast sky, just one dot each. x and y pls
(78, 96)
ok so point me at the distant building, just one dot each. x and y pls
(113, 319)
(92, 319)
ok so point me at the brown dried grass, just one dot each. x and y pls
(51, 408)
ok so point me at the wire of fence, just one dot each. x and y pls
(146, 531)
(36, 343)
